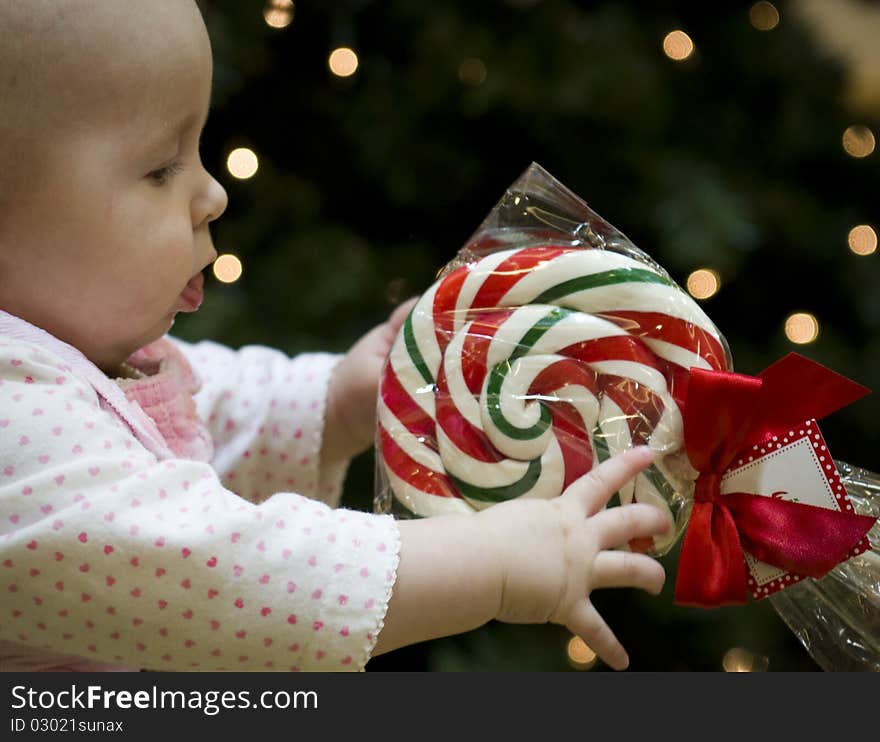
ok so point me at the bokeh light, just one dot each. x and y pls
(580, 655)
(858, 141)
(862, 239)
(703, 283)
(278, 13)
(472, 71)
(737, 659)
(801, 328)
(677, 45)
(242, 163)
(343, 62)
(764, 16)
(227, 268)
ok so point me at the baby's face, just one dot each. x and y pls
(106, 242)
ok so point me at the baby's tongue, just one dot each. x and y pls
(193, 294)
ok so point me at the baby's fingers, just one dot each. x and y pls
(400, 313)
(586, 622)
(617, 526)
(625, 569)
(597, 487)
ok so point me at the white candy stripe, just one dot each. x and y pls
(423, 503)
(565, 267)
(583, 400)
(508, 336)
(638, 372)
(676, 354)
(410, 378)
(414, 448)
(668, 435)
(638, 296)
(552, 473)
(646, 493)
(550, 482)
(518, 408)
(466, 402)
(615, 433)
(632, 296)
(424, 332)
(668, 431)
(574, 328)
(477, 276)
(487, 474)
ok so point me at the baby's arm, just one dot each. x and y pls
(290, 423)
(111, 555)
(266, 415)
(525, 561)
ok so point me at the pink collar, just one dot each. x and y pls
(165, 392)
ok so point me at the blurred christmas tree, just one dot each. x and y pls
(719, 147)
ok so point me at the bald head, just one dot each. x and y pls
(66, 63)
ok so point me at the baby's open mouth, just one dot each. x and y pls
(193, 294)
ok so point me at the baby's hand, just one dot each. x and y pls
(354, 386)
(553, 553)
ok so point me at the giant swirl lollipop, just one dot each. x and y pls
(551, 342)
(514, 375)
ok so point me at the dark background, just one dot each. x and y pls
(731, 159)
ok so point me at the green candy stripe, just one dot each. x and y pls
(598, 438)
(500, 371)
(603, 454)
(606, 278)
(500, 494)
(412, 347)
(660, 483)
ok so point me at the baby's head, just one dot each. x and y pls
(104, 203)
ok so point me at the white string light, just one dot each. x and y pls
(764, 16)
(278, 13)
(242, 163)
(801, 328)
(227, 268)
(677, 45)
(580, 655)
(703, 283)
(858, 141)
(862, 239)
(343, 61)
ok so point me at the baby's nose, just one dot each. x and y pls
(210, 203)
(219, 199)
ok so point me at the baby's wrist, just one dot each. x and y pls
(493, 559)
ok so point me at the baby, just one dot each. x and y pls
(172, 506)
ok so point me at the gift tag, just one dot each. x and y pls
(798, 467)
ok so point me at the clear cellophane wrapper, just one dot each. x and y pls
(548, 343)
(551, 342)
(837, 617)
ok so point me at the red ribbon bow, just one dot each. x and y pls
(724, 416)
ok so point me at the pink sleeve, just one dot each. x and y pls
(265, 412)
(109, 554)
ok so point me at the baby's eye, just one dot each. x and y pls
(163, 174)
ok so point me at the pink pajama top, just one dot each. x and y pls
(144, 524)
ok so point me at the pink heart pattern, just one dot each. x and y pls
(172, 540)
